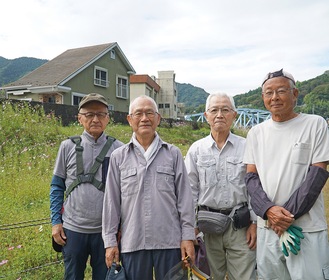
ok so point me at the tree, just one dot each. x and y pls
(317, 101)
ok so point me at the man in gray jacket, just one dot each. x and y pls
(148, 196)
(77, 222)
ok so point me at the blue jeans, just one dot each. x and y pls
(139, 265)
(76, 252)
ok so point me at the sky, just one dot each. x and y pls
(218, 45)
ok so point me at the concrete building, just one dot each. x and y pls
(167, 100)
(143, 85)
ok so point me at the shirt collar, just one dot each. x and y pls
(90, 138)
(230, 139)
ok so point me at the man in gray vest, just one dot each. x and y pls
(79, 176)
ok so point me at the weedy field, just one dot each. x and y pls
(29, 140)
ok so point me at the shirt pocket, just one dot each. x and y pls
(236, 169)
(129, 182)
(165, 178)
(207, 171)
(301, 153)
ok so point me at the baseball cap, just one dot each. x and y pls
(92, 97)
(279, 73)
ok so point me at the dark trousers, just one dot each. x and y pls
(76, 252)
(139, 265)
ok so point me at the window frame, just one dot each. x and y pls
(99, 81)
(119, 87)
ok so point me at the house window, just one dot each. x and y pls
(101, 77)
(122, 87)
(160, 106)
(167, 105)
(52, 99)
(111, 107)
(112, 54)
(76, 99)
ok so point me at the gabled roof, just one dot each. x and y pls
(67, 65)
(144, 79)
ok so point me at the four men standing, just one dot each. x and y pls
(151, 198)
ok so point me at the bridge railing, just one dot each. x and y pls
(247, 117)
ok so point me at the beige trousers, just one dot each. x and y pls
(229, 253)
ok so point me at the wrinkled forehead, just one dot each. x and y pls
(217, 101)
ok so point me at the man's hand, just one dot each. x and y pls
(58, 234)
(251, 235)
(197, 231)
(187, 249)
(279, 219)
(111, 256)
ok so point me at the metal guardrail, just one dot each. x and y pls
(247, 117)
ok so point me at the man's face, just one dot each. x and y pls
(92, 123)
(279, 98)
(220, 114)
(143, 118)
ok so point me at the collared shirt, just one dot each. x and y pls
(83, 207)
(217, 175)
(152, 198)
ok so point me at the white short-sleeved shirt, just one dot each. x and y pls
(282, 153)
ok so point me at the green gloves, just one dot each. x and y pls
(290, 240)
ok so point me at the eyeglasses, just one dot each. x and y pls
(279, 91)
(139, 114)
(224, 111)
(91, 115)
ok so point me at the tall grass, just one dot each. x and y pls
(29, 141)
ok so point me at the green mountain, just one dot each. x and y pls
(313, 93)
(193, 97)
(13, 69)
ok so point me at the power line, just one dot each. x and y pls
(24, 224)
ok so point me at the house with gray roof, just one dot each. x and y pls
(103, 69)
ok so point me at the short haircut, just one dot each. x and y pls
(220, 94)
(132, 103)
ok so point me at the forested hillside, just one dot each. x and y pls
(12, 69)
(193, 97)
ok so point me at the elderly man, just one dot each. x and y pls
(216, 172)
(148, 197)
(77, 222)
(286, 159)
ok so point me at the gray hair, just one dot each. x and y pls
(220, 94)
(133, 103)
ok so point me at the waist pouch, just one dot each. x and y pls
(212, 222)
(241, 217)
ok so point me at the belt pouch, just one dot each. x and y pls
(212, 222)
(241, 217)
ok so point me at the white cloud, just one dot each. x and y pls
(217, 45)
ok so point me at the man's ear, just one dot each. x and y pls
(129, 119)
(79, 119)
